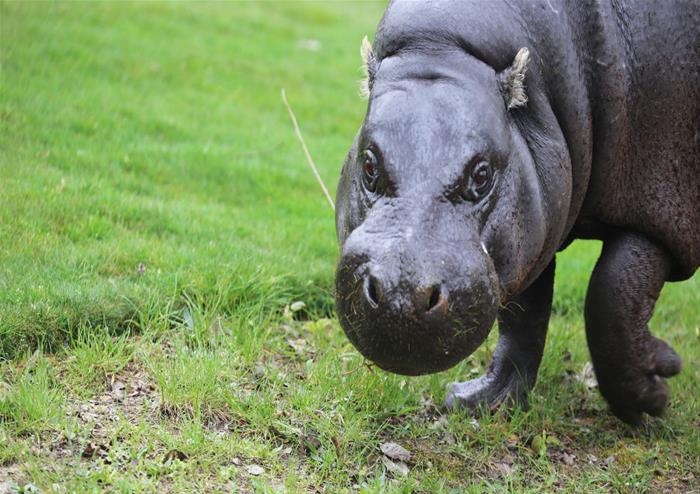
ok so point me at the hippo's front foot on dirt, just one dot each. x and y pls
(513, 371)
(489, 391)
(629, 362)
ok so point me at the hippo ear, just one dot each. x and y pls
(512, 80)
(369, 66)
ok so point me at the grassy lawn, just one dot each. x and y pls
(157, 221)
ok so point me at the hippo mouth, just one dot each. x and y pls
(413, 329)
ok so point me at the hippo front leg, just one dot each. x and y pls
(512, 373)
(629, 362)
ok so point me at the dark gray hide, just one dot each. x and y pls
(455, 196)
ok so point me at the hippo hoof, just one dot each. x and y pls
(486, 392)
(642, 389)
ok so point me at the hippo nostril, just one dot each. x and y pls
(434, 298)
(371, 292)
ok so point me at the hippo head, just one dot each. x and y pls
(440, 211)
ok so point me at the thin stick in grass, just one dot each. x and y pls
(306, 151)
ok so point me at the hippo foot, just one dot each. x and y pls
(641, 388)
(487, 392)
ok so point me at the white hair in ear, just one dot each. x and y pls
(368, 67)
(514, 80)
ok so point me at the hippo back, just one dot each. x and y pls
(645, 93)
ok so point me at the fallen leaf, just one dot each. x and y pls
(512, 442)
(539, 444)
(440, 423)
(336, 444)
(187, 319)
(8, 487)
(299, 345)
(140, 388)
(310, 44)
(255, 470)
(174, 454)
(449, 438)
(92, 449)
(395, 451)
(5, 389)
(395, 467)
(587, 376)
(508, 459)
(505, 469)
(310, 443)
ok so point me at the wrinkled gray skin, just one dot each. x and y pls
(607, 147)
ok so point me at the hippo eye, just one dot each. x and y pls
(480, 182)
(369, 170)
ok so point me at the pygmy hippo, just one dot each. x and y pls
(496, 133)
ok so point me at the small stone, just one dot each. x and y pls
(395, 451)
(395, 467)
(255, 470)
(118, 390)
(568, 459)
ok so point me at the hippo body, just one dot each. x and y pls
(497, 133)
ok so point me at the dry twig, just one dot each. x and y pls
(306, 151)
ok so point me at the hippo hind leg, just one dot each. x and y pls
(629, 362)
(512, 373)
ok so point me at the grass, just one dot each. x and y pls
(157, 222)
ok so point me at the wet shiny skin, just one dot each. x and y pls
(417, 286)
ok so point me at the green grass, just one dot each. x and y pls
(156, 219)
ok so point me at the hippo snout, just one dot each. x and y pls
(413, 313)
(428, 300)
